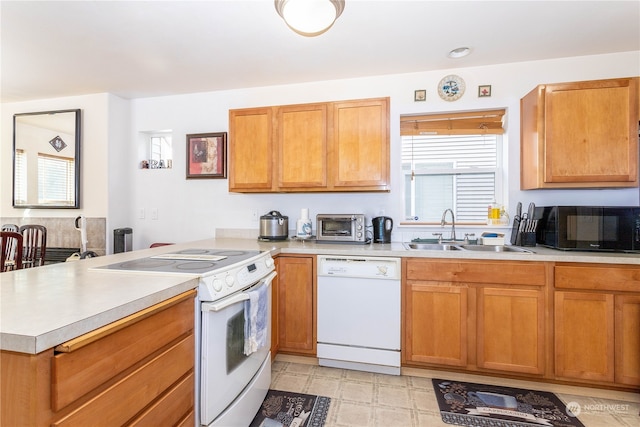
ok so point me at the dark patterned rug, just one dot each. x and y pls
(287, 409)
(469, 404)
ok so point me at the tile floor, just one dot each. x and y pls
(377, 400)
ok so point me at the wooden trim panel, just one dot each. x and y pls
(171, 408)
(91, 363)
(491, 272)
(109, 329)
(142, 387)
(598, 277)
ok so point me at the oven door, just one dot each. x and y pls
(225, 369)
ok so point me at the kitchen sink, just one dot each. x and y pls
(432, 246)
(415, 246)
(495, 248)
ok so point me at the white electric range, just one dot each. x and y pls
(230, 385)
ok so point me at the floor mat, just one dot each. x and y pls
(469, 404)
(288, 409)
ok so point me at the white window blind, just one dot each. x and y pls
(460, 172)
(56, 178)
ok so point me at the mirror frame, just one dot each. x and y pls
(16, 145)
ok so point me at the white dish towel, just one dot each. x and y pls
(255, 320)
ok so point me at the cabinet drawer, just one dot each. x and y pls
(597, 277)
(171, 408)
(492, 272)
(124, 399)
(137, 337)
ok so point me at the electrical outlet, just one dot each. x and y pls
(141, 213)
(154, 213)
(254, 216)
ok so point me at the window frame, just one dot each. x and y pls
(453, 125)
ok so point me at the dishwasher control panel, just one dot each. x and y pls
(353, 266)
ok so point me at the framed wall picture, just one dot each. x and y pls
(420, 95)
(207, 155)
(484, 91)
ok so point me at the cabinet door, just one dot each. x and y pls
(302, 147)
(582, 134)
(296, 304)
(359, 149)
(435, 324)
(510, 328)
(591, 132)
(627, 336)
(584, 335)
(251, 150)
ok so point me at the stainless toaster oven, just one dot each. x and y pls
(341, 228)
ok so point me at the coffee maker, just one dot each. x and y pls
(382, 226)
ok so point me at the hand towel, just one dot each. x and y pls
(255, 320)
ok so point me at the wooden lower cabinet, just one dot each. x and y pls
(510, 329)
(296, 302)
(479, 316)
(627, 339)
(136, 371)
(435, 323)
(597, 319)
(584, 343)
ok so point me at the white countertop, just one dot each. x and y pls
(45, 306)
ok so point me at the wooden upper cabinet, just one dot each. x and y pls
(359, 155)
(582, 134)
(332, 146)
(251, 150)
(302, 146)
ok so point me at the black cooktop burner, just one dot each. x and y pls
(195, 265)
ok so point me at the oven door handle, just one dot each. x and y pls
(219, 306)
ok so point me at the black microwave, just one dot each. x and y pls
(589, 228)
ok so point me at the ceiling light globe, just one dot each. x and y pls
(459, 52)
(309, 17)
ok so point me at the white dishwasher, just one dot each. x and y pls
(359, 313)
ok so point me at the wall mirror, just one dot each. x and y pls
(46, 160)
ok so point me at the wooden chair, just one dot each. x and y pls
(11, 251)
(34, 240)
(155, 245)
(10, 227)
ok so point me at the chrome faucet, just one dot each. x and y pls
(443, 222)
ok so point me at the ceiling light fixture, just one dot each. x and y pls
(459, 52)
(309, 18)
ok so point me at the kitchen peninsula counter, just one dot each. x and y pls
(46, 306)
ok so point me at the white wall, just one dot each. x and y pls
(194, 209)
(120, 175)
(93, 149)
(113, 185)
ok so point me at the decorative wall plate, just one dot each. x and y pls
(451, 88)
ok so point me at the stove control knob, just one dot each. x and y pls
(269, 262)
(229, 281)
(217, 285)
